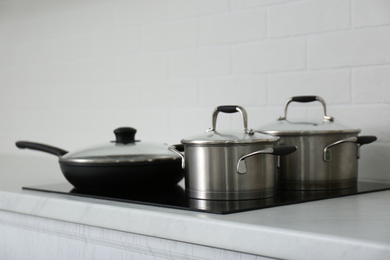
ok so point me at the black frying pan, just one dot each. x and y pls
(126, 165)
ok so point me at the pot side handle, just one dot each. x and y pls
(278, 151)
(178, 149)
(365, 139)
(359, 140)
(41, 147)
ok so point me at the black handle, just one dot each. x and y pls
(125, 135)
(304, 99)
(41, 147)
(284, 150)
(366, 139)
(227, 109)
(179, 147)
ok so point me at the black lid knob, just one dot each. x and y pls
(125, 135)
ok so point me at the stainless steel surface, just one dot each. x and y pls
(211, 172)
(306, 169)
(241, 165)
(327, 152)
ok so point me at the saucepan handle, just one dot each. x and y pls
(359, 140)
(230, 109)
(178, 149)
(306, 99)
(278, 151)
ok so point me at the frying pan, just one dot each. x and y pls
(125, 163)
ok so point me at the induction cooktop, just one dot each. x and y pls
(175, 197)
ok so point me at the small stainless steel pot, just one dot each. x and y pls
(230, 165)
(328, 153)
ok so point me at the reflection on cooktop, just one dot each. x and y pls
(175, 197)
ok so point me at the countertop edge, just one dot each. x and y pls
(189, 227)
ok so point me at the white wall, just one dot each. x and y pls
(72, 71)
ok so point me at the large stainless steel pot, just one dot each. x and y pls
(328, 153)
(230, 165)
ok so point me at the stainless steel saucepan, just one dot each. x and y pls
(230, 165)
(328, 153)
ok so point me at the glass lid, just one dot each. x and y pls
(246, 136)
(125, 149)
(306, 126)
(229, 137)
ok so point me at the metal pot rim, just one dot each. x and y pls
(204, 143)
(119, 161)
(230, 138)
(308, 132)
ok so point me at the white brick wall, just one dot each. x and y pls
(240, 4)
(352, 48)
(72, 71)
(270, 56)
(305, 17)
(368, 13)
(371, 85)
(322, 83)
(231, 90)
(201, 62)
(171, 36)
(230, 28)
(196, 8)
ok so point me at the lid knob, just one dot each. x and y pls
(125, 135)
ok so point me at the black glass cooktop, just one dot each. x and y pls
(175, 197)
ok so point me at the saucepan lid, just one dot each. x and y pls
(214, 137)
(125, 149)
(306, 126)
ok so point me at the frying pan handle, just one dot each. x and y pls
(178, 149)
(278, 151)
(359, 140)
(306, 99)
(41, 147)
(230, 109)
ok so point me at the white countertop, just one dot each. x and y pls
(353, 227)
